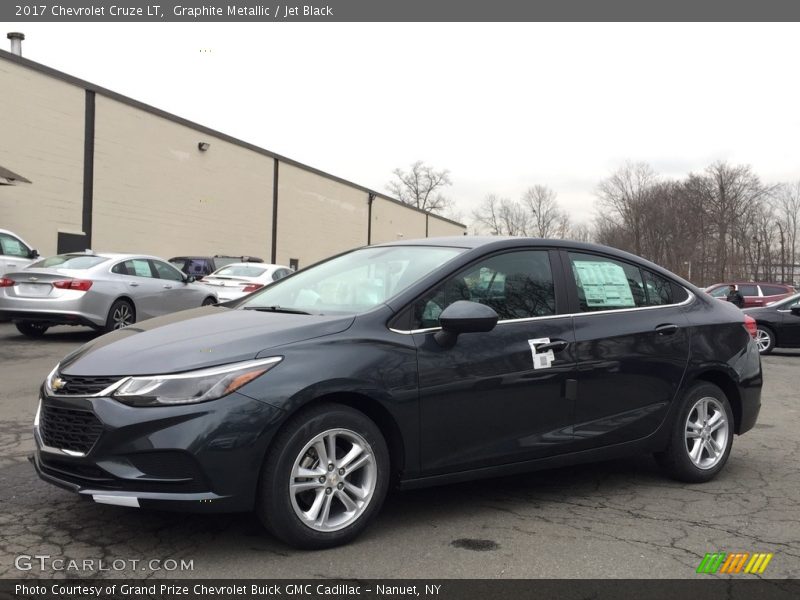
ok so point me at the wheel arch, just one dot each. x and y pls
(374, 410)
(728, 385)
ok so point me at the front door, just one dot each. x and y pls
(482, 401)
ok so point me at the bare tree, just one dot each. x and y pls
(501, 216)
(547, 219)
(421, 187)
(625, 193)
(788, 204)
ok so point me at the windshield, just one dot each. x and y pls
(69, 261)
(354, 282)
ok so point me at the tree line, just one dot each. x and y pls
(719, 224)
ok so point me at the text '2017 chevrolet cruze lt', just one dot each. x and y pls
(412, 363)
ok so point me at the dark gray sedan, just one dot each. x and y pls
(100, 290)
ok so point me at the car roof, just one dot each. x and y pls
(786, 285)
(111, 255)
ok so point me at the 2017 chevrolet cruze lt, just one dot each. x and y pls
(412, 363)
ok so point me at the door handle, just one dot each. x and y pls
(667, 329)
(555, 346)
(168, 287)
(133, 284)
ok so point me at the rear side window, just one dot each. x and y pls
(517, 285)
(773, 290)
(606, 284)
(659, 290)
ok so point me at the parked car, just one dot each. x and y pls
(15, 253)
(103, 291)
(239, 279)
(417, 363)
(755, 293)
(777, 325)
(200, 266)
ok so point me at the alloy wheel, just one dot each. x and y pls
(122, 316)
(333, 480)
(706, 433)
(763, 340)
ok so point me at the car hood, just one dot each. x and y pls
(194, 339)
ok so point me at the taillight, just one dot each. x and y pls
(252, 287)
(7, 282)
(82, 285)
(750, 325)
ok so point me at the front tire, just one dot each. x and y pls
(121, 314)
(209, 301)
(31, 329)
(702, 435)
(324, 479)
(765, 339)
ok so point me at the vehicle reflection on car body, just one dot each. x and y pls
(416, 363)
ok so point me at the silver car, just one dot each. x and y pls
(103, 291)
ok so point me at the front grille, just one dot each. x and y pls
(80, 385)
(68, 428)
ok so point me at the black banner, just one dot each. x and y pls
(442, 589)
(277, 11)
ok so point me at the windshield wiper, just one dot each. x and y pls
(278, 309)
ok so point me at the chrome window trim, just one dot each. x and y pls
(686, 302)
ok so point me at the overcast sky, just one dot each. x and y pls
(502, 106)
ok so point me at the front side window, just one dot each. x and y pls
(719, 292)
(517, 285)
(11, 246)
(165, 271)
(353, 282)
(138, 267)
(606, 284)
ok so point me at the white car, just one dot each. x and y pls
(239, 279)
(15, 253)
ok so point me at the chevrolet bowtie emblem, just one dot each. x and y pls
(59, 384)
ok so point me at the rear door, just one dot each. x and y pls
(138, 280)
(631, 346)
(482, 402)
(751, 293)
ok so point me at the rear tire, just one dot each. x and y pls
(765, 339)
(121, 314)
(312, 498)
(702, 435)
(209, 301)
(31, 329)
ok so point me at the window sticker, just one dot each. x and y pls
(604, 284)
(141, 268)
(12, 247)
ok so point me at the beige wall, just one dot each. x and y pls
(317, 217)
(41, 138)
(155, 192)
(392, 221)
(441, 228)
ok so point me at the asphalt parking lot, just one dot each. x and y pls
(614, 519)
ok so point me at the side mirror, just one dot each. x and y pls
(464, 316)
(795, 310)
(33, 253)
(189, 279)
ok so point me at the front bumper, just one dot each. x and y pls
(201, 458)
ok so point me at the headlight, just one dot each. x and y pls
(194, 386)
